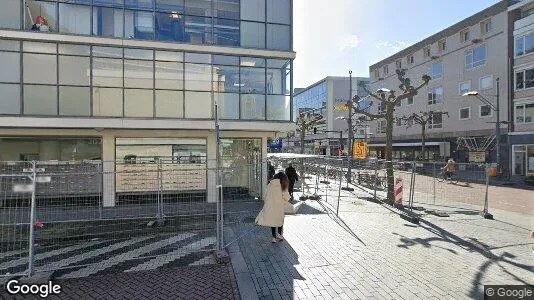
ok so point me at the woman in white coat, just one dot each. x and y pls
(273, 212)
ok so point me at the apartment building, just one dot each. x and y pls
(326, 98)
(471, 55)
(111, 81)
(522, 137)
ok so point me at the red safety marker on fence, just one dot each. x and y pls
(398, 193)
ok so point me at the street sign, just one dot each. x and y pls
(360, 150)
(477, 156)
(23, 188)
(43, 179)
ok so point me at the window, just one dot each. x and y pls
(253, 10)
(169, 104)
(10, 61)
(35, 65)
(465, 113)
(47, 13)
(138, 25)
(436, 70)
(381, 126)
(252, 80)
(385, 70)
(169, 75)
(252, 107)
(426, 52)
(278, 107)
(485, 111)
(524, 79)
(486, 82)
(10, 14)
(465, 36)
(381, 108)
(228, 9)
(107, 72)
(410, 59)
(442, 45)
(74, 18)
(436, 121)
(278, 37)
(409, 100)
(74, 70)
(107, 102)
(108, 21)
(252, 34)
(138, 73)
(435, 95)
(398, 64)
(485, 26)
(138, 103)
(198, 105)
(475, 57)
(40, 100)
(278, 11)
(524, 44)
(170, 27)
(226, 32)
(376, 73)
(74, 101)
(524, 113)
(228, 105)
(464, 87)
(9, 99)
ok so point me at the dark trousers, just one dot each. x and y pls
(273, 231)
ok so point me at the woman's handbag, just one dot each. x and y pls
(291, 209)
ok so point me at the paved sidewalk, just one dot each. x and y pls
(204, 282)
(370, 252)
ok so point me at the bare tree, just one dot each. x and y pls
(305, 122)
(390, 100)
(422, 119)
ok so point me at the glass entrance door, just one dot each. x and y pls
(241, 168)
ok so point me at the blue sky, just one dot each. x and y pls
(331, 37)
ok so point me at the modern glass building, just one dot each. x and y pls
(108, 80)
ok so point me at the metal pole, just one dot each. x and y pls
(340, 174)
(485, 212)
(434, 182)
(218, 183)
(498, 129)
(351, 134)
(375, 180)
(31, 245)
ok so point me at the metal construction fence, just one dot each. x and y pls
(82, 218)
(79, 218)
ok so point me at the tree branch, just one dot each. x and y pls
(371, 93)
(372, 116)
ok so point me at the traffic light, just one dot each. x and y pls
(314, 130)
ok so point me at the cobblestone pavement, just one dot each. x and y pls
(203, 282)
(370, 252)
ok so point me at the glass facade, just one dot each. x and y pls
(313, 100)
(238, 23)
(85, 81)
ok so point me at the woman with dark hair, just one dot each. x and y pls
(273, 211)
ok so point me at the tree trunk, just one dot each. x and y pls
(423, 140)
(302, 137)
(389, 152)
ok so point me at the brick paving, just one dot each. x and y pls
(203, 282)
(369, 252)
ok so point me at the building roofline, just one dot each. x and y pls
(520, 4)
(498, 7)
(326, 79)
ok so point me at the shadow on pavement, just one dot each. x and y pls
(469, 244)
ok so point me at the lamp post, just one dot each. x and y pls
(351, 134)
(495, 108)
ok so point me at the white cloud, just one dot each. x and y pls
(349, 42)
(395, 46)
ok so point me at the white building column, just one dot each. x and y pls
(211, 180)
(108, 168)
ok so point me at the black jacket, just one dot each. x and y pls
(292, 174)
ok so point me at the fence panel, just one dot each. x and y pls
(14, 218)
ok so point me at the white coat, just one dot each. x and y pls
(272, 213)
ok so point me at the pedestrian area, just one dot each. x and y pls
(368, 252)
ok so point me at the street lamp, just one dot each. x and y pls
(495, 108)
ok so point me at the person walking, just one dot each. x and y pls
(450, 169)
(293, 177)
(271, 171)
(273, 212)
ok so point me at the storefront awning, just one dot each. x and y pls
(410, 144)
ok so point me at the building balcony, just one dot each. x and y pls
(529, 20)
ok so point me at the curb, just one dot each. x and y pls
(242, 275)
